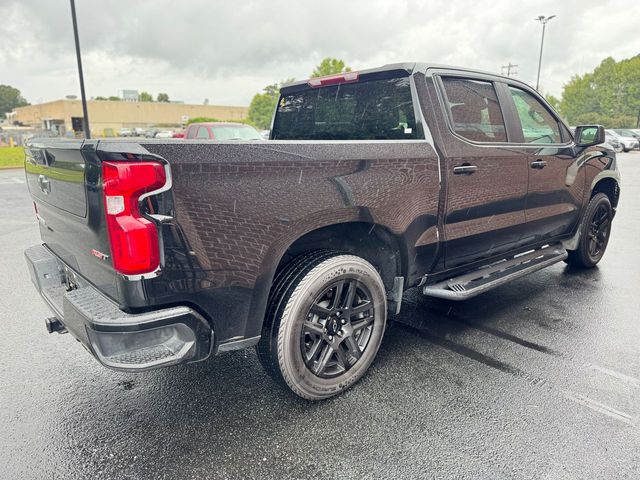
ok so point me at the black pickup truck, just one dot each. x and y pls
(160, 252)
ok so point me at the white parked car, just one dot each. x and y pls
(628, 143)
(164, 134)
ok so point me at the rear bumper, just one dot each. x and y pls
(118, 340)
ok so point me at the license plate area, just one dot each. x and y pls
(70, 279)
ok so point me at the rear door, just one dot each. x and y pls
(486, 179)
(556, 179)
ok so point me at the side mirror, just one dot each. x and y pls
(588, 135)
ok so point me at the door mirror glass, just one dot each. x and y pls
(588, 135)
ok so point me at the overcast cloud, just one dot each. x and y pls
(227, 51)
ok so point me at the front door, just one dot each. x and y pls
(486, 179)
(556, 178)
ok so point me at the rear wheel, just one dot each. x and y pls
(327, 316)
(594, 233)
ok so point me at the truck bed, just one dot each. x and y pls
(232, 211)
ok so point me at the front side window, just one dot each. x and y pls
(538, 124)
(365, 110)
(474, 108)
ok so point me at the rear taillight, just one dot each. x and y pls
(134, 239)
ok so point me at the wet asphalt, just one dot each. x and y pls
(537, 379)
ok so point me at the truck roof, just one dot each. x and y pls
(220, 124)
(402, 68)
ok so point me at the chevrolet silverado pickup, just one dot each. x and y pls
(162, 252)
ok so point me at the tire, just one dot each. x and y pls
(595, 230)
(314, 345)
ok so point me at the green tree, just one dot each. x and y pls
(145, 97)
(202, 120)
(100, 97)
(553, 101)
(10, 98)
(330, 66)
(163, 97)
(113, 98)
(264, 104)
(609, 95)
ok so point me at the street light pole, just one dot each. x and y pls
(85, 115)
(543, 20)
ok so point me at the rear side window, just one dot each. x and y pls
(203, 133)
(191, 132)
(538, 124)
(369, 110)
(474, 109)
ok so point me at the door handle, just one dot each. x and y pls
(464, 169)
(538, 164)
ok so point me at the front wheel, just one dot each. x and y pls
(327, 316)
(595, 230)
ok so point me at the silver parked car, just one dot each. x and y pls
(628, 132)
(613, 142)
(628, 143)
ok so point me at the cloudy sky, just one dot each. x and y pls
(228, 50)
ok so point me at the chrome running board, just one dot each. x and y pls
(491, 276)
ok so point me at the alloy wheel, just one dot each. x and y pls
(598, 231)
(337, 328)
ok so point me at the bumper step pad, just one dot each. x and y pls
(118, 339)
(491, 276)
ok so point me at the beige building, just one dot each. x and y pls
(107, 117)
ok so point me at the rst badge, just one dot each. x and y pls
(100, 255)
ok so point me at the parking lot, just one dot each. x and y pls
(536, 379)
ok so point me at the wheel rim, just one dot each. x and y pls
(599, 231)
(337, 328)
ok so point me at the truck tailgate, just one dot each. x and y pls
(63, 179)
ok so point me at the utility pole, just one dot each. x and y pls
(506, 69)
(543, 20)
(85, 115)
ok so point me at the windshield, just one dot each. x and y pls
(626, 133)
(233, 132)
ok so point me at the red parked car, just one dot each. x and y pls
(221, 131)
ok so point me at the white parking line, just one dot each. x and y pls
(599, 407)
(17, 179)
(612, 373)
